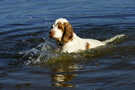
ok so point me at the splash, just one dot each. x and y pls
(41, 54)
(44, 54)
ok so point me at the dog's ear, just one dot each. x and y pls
(68, 33)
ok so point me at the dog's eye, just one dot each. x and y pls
(59, 27)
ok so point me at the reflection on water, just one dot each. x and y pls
(61, 79)
(63, 85)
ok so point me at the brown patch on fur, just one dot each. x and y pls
(68, 33)
(60, 26)
(87, 46)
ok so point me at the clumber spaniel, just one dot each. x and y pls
(69, 42)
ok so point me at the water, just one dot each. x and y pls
(28, 57)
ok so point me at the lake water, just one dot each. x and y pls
(28, 59)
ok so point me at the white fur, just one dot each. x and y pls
(77, 43)
(62, 20)
(58, 33)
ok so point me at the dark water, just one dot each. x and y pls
(28, 59)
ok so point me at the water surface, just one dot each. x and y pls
(28, 59)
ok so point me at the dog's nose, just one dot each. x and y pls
(51, 33)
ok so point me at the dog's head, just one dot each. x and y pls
(61, 30)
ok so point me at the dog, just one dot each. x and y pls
(69, 42)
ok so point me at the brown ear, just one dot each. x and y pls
(68, 33)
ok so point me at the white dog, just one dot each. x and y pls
(69, 42)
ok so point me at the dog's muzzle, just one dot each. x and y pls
(51, 33)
